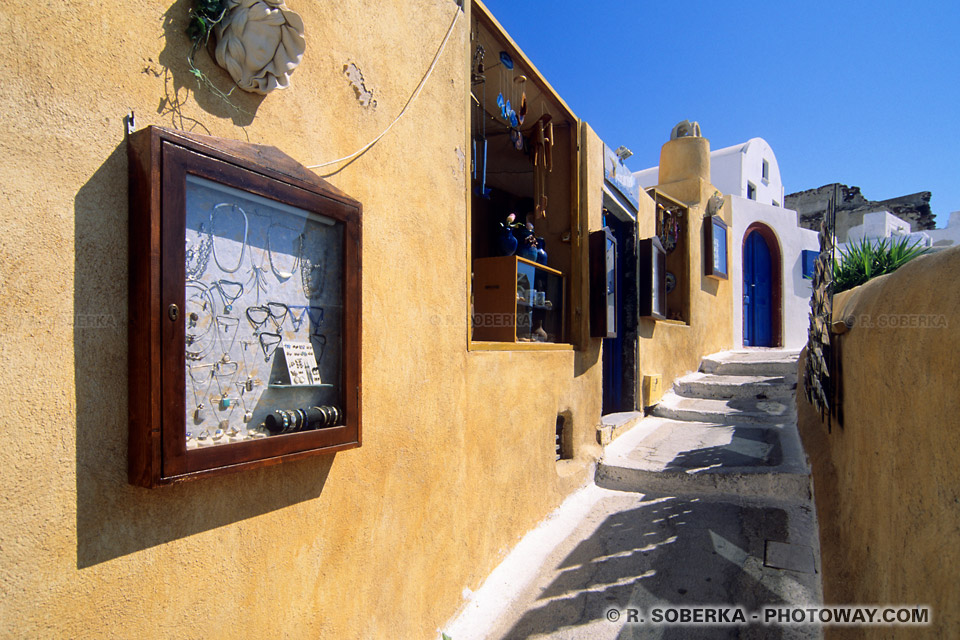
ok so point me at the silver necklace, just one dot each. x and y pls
(308, 273)
(198, 416)
(268, 343)
(200, 256)
(224, 324)
(282, 276)
(227, 297)
(243, 247)
(258, 274)
(197, 303)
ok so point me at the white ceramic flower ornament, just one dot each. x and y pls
(260, 43)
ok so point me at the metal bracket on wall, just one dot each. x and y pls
(130, 122)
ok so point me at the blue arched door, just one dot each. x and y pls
(757, 292)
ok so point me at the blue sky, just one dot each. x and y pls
(862, 93)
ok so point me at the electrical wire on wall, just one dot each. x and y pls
(403, 111)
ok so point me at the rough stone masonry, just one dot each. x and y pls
(811, 205)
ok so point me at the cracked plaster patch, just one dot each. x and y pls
(355, 76)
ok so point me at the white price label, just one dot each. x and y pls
(301, 363)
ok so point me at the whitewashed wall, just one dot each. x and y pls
(948, 236)
(792, 239)
(732, 167)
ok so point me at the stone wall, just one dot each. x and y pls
(811, 205)
(887, 484)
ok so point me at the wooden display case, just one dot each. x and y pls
(517, 300)
(715, 254)
(244, 309)
(651, 274)
(603, 284)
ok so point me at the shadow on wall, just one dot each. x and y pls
(631, 561)
(708, 285)
(113, 517)
(801, 286)
(179, 82)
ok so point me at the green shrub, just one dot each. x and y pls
(868, 259)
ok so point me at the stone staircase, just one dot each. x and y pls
(706, 501)
(729, 428)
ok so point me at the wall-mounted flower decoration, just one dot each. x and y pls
(259, 43)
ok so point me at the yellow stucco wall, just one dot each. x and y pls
(674, 349)
(887, 482)
(457, 459)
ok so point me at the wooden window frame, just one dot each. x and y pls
(576, 319)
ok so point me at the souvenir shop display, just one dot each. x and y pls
(245, 308)
(517, 300)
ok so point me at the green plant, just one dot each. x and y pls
(867, 259)
(203, 18)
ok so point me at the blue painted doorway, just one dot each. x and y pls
(613, 348)
(758, 305)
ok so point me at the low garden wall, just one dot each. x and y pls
(887, 474)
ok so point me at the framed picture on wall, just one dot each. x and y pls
(715, 256)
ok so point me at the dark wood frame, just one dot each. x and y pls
(600, 267)
(710, 228)
(159, 160)
(651, 264)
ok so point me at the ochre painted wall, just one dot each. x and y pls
(457, 459)
(674, 349)
(887, 482)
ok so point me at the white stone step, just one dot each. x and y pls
(753, 362)
(674, 457)
(708, 385)
(762, 411)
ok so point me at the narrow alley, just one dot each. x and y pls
(707, 502)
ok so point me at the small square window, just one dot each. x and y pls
(809, 262)
(751, 191)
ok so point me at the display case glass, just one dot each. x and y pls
(716, 244)
(245, 309)
(517, 300)
(651, 273)
(603, 284)
(262, 317)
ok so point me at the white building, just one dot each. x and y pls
(879, 225)
(948, 236)
(767, 245)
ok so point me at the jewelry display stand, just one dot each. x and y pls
(245, 308)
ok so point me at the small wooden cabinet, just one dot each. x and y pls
(516, 300)
(603, 284)
(715, 256)
(651, 273)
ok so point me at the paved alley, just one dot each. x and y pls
(706, 502)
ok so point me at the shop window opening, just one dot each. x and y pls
(672, 219)
(523, 152)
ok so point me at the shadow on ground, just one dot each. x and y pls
(747, 447)
(675, 551)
